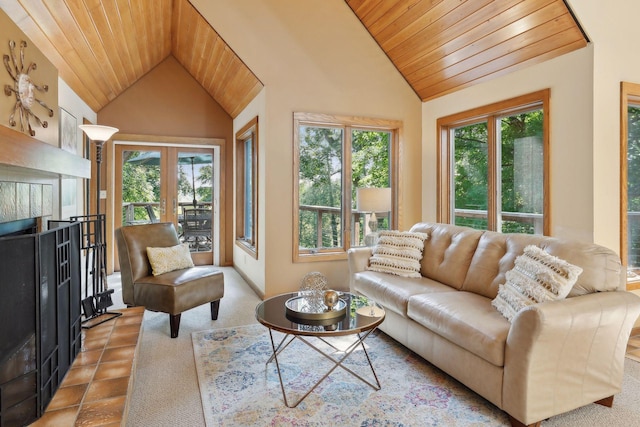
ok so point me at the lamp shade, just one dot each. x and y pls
(98, 132)
(374, 199)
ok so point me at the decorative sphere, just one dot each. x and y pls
(313, 286)
(330, 299)
(313, 281)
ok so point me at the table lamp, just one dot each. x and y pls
(373, 200)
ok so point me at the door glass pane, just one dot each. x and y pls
(470, 175)
(633, 189)
(522, 172)
(320, 188)
(194, 199)
(371, 192)
(141, 180)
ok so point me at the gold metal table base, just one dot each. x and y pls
(337, 362)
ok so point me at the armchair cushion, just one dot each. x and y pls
(164, 260)
(180, 290)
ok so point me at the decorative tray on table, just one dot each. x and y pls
(305, 308)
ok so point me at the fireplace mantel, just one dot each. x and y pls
(20, 150)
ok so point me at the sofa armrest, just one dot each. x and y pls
(358, 261)
(564, 354)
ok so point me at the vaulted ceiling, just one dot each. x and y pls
(102, 47)
(441, 46)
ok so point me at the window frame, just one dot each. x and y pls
(248, 132)
(347, 124)
(489, 114)
(629, 95)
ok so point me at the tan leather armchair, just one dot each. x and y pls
(172, 292)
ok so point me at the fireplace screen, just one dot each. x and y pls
(40, 319)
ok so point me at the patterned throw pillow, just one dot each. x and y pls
(398, 252)
(164, 260)
(537, 276)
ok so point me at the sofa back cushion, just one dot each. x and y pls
(602, 269)
(477, 261)
(495, 255)
(447, 252)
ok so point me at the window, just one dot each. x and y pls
(630, 182)
(247, 187)
(334, 158)
(493, 168)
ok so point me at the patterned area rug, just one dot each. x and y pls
(237, 388)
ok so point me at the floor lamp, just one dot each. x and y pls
(97, 304)
(373, 200)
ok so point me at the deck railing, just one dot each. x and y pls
(130, 208)
(359, 220)
(531, 221)
(534, 221)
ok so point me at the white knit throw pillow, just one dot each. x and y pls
(398, 252)
(536, 277)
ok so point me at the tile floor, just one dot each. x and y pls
(94, 391)
(633, 346)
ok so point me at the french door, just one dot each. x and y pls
(166, 183)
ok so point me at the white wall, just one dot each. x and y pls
(75, 106)
(252, 269)
(569, 78)
(614, 31)
(313, 56)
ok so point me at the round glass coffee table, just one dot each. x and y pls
(355, 315)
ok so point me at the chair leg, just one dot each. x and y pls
(174, 323)
(215, 307)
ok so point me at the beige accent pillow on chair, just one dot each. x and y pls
(536, 277)
(164, 260)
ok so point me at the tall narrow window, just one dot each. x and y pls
(335, 158)
(630, 182)
(246, 187)
(493, 166)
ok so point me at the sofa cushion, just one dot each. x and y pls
(602, 269)
(398, 253)
(393, 292)
(464, 318)
(447, 252)
(494, 256)
(536, 277)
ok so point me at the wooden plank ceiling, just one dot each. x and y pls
(441, 46)
(101, 47)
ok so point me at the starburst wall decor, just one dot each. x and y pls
(24, 90)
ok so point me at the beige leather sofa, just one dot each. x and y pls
(554, 356)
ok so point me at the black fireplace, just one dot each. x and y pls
(40, 318)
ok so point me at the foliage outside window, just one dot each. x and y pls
(334, 156)
(141, 181)
(247, 188)
(140, 185)
(630, 181)
(493, 166)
